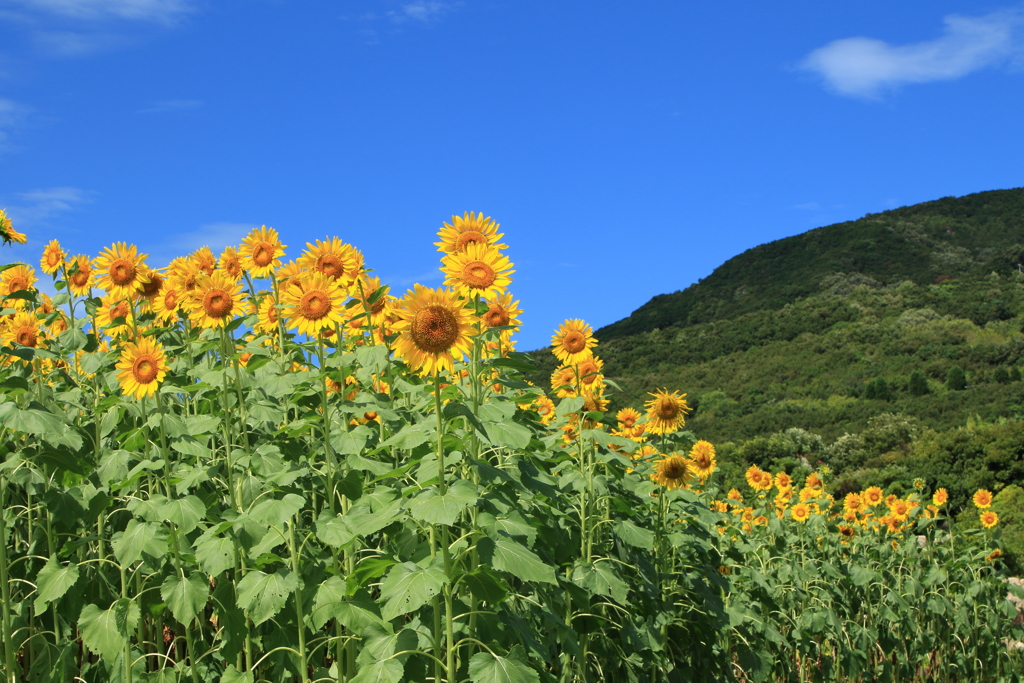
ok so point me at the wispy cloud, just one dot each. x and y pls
(162, 11)
(864, 67)
(11, 114)
(76, 43)
(172, 105)
(213, 235)
(421, 10)
(37, 208)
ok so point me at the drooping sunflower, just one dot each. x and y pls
(22, 328)
(994, 555)
(141, 368)
(261, 252)
(982, 499)
(814, 481)
(666, 412)
(672, 472)
(111, 309)
(166, 304)
(215, 301)
(80, 275)
(594, 401)
(7, 231)
(989, 519)
(573, 341)
(873, 495)
(315, 304)
(368, 288)
(434, 329)
(470, 228)
(333, 258)
(940, 498)
(477, 270)
(800, 512)
(117, 269)
(846, 532)
(702, 459)
(53, 258)
(230, 263)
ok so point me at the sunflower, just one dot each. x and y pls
(166, 304)
(149, 283)
(477, 270)
(853, 502)
(813, 481)
(589, 372)
(989, 519)
(58, 326)
(735, 495)
(434, 329)
(900, 510)
(203, 259)
(23, 329)
(378, 310)
(314, 304)
(847, 532)
(53, 258)
(333, 258)
(801, 512)
(994, 555)
(671, 472)
(702, 459)
(982, 499)
(573, 341)
(940, 497)
(113, 308)
(783, 481)
(261, 252)
(627, 417)
(666, 412)
(502, 312)
(267, 315)
(563, 382)
(288, 275)
(470, 228)
(594, 401)
(7, 231)
(545, 407)
(215, 301)
(758, 479)
(117, 269)
(230, 263)
(17, 279)
(141, 368)
(184, 274)
(873, 495)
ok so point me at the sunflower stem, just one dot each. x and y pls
(10, 674)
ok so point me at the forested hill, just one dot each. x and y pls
(953, 236)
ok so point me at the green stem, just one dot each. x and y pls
(10, 675)
(303, 666)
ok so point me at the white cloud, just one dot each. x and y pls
(863, 67)
(36, 208)
(164, 11)
(172, 105)
(11, 113)
(213, 235)
(420, 10)
(76, 43)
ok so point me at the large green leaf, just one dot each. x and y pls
(138, 538)
(410, 436)
(383, 671)
(40, 423)
(185, 597)
(432, 507)
(233, 675)
(601, 578)
(381, 644)
(215, 554)
(184, 512)
(511, 434)
(508, 556)
(265, 594)
(356, 612)
(485, 667)
(105, 632)
(633, 535)
(276, 512)
(484, 585)
(53, 581)
(408, 587)
(332, 529)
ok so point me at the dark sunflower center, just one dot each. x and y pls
(496, 316)
(314, 305)
(152, 287)
(144, 369)
(262, 254)
(667, 409)
(81, 277)
(434, 329)
(574, 342)
(478, 275)
(27, 336)
(171, 300)
(16, 284)
(53, 258)
(330, 265)
(272, 313)
(217, 303)
(674, 468)
(469, 237)
(703, 460)
(122, 272)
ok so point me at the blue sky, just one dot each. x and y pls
(627, 149)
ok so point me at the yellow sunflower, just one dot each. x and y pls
(333, 258)
(16, 279)
(783, 481)
(215, 301)
(117, 269)
(801, 512)
(545, 407)
(702, 459)
(111, 308)
(989, 519)
(994, 555)
(756, 478)
(53, 258)
(288, 275)
(671, 472)
(563, 382)
(873, 495)
(666, 412)
(470, 228)
(267, 315)
(80, 275)
(316, 304)
(502, 312)
(940, 498)
(627, 417)
(434, 329)
(261, 252)
(368, 286)
(477, 270)
(590, 372)
(853, 502)
(7, 231)
(149, 283)
(141, 368)
(230, 263)
(166, 304)
(204, 260)
(22, 328)
(184, 274)
(573, 341)
(982, 499)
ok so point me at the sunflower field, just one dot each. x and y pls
(238, 468)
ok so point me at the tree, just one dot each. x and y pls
(1001, 376)
(955, 379)
(1014, 374)
(918, 383)
(878, 389)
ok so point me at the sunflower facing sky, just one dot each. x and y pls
(261, 252)
(81, 275)
(53, 258)
(666, 413)
(141, 368)
(477, 270)
(573, 341)
(470, 228)
(216, 300)
(316, 304)
(117, 269)
(435, 329)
